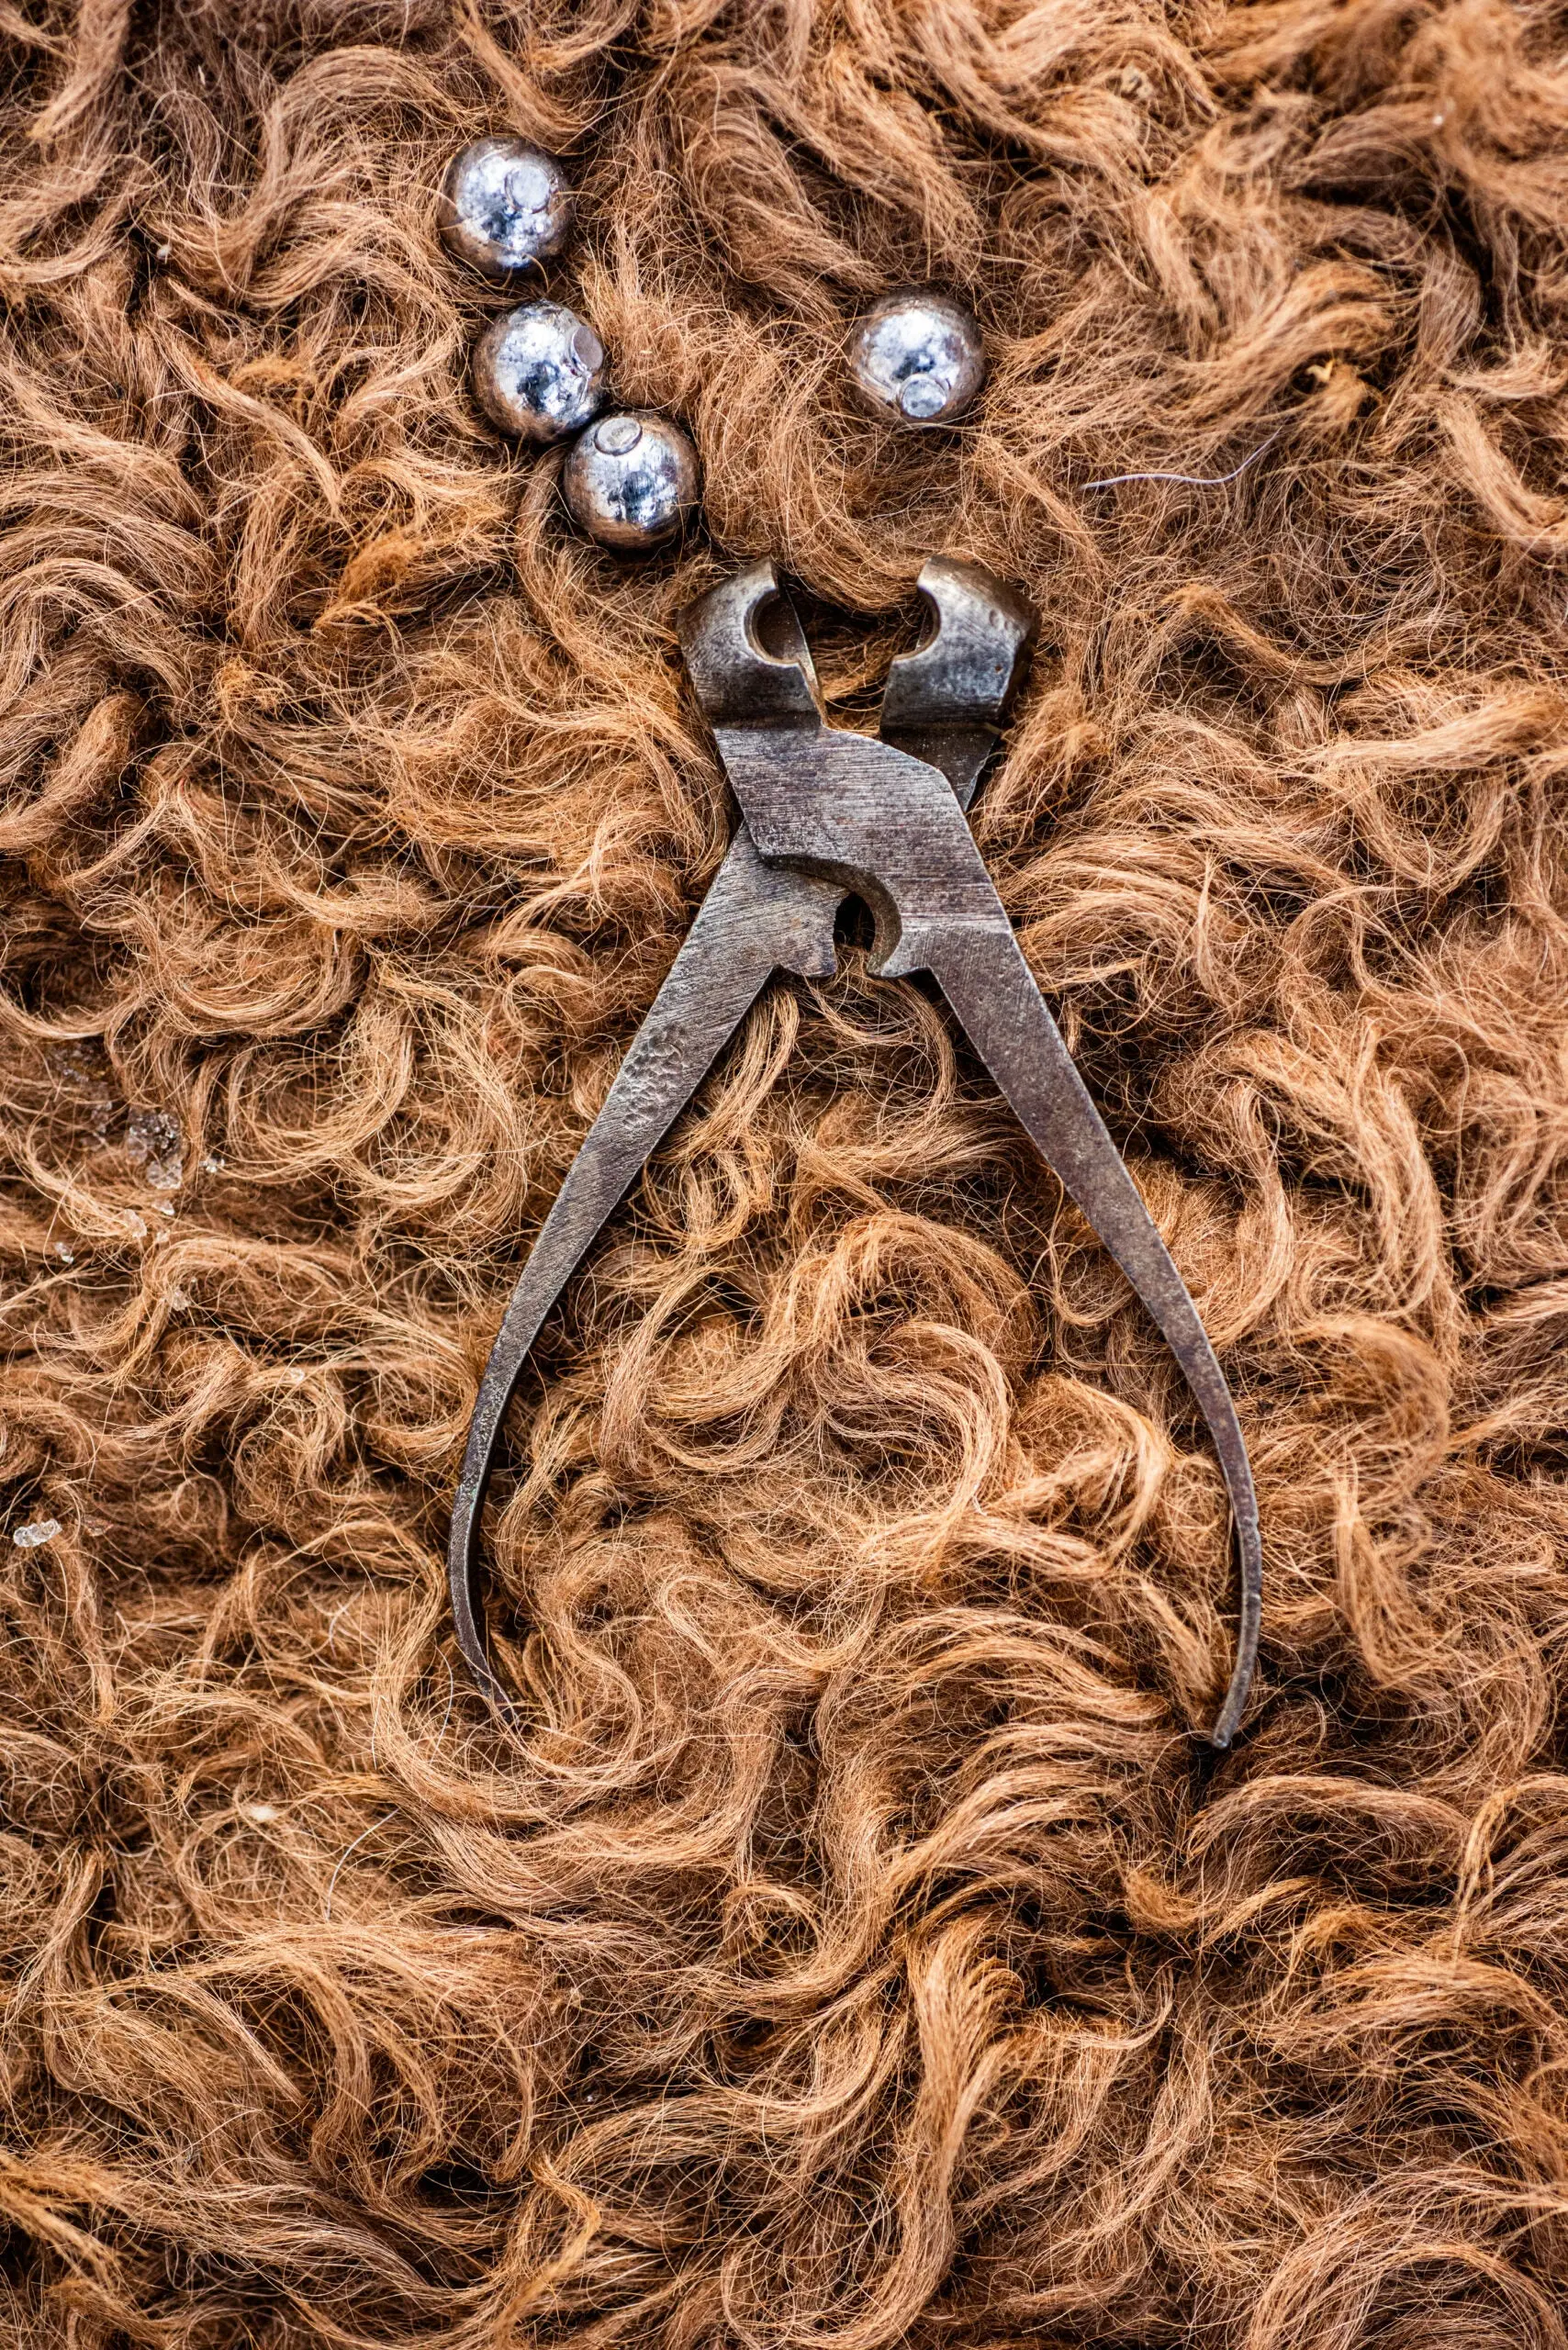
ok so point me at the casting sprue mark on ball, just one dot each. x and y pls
(825, 815)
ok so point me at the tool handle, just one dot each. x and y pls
(982, 973)
(753, 921)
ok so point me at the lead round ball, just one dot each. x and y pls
(540, 372)
(505, 208)
(919, 359)
(631, 481)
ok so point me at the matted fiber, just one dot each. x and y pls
(859, 1945)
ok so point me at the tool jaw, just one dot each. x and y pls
(945, 703)
(868, 813)
(948, 701)
(741, 682)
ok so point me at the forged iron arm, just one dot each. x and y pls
(892, 827)
(755, 919)
(991, 988)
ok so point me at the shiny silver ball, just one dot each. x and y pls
(631, 480)
(504, 207)
(918, 358)
(540, 372)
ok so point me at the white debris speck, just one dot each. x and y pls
(165, 1207)
(135, 1224)
(177, 1298)
(296, 1378)
(42, 1530)
(164, 250)
(66, 1254)
(264, 1814)
(153, 1140)
(80, 1070)
(212, 1164)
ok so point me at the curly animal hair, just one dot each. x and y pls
(854, 1945)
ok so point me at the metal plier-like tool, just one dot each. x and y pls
(827, 813)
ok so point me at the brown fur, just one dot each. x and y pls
(858, 1948)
